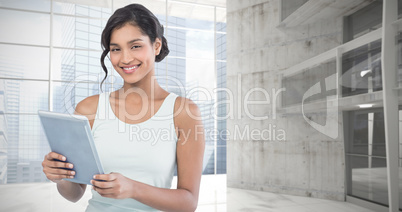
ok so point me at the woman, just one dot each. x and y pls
(139, 168)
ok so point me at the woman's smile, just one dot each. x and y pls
(130, 69)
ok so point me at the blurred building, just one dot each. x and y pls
(3, 137)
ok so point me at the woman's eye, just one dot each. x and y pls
(114, 50)
(135, 47)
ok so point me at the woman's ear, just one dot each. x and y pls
(158, 46)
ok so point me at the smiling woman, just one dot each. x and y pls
(139, 171)
(57, 66)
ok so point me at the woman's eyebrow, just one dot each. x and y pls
(135, 40)
(131, 41)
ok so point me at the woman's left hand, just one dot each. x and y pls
(113, 185)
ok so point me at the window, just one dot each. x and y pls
(363, 21)
(361, 70)
(57, 66)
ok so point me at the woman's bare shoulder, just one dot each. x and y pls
(88, 106)
(185, 109)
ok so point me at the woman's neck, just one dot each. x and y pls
(146, 88)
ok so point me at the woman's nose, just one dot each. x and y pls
(127, 58)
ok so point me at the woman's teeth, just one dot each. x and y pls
(131, 68)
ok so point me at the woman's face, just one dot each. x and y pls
(132, 54)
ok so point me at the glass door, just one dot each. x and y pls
(366, 166)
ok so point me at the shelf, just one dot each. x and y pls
(398, 89)
(344, 103)
(398, 23)
(333, 53)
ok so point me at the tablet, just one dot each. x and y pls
(70, 135)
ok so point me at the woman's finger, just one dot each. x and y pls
(106, 177)
(58, 177)
(55, 156)
(53, 171)
(56, 164)
(102, 184)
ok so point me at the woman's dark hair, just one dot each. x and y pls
(139, 16)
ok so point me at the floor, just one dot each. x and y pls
(214, 196)
(372, 183)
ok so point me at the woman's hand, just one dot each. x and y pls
(113, 185)
(55, 167)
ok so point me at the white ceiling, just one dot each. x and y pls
(218, 3)
(193, 9)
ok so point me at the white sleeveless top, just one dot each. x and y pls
(145, 152)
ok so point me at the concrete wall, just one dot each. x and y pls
(281, 154)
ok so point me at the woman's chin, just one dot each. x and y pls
(130, 81)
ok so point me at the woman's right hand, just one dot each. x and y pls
(56, 168)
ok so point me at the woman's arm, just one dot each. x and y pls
(71, 191)
(190, 151)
